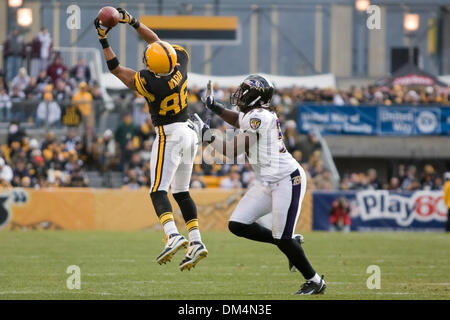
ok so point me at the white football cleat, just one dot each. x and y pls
(174, 242)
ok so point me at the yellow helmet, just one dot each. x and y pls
(160, 58)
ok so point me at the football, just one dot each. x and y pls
(108, 16)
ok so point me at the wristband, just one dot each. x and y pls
(217, 108)
(113, 63)
(135, 24)
(104, 43)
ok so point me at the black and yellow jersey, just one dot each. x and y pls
(166, 95)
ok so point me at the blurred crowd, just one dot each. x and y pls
(65, 98)
(48, 91)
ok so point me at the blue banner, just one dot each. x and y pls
(375, 120)
(372, 210)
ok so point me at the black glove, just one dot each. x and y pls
(126, 17)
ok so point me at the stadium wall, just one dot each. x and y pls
(109, 209)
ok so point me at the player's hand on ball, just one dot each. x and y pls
(208, 99)
(126, 17)
(102, 32)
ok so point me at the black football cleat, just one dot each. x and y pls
(310, 287)
(300, 239)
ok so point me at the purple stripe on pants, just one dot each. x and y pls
(293, 208)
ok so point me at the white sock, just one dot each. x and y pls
(194, 235)
(170, 227)
(316, 278)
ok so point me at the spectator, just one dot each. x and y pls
(48, 112)
(80, 72)
(140, 110)
(340, 215)
(394, 184)
(146, 152)
(43, 80)
(5, 105)
(56, 69)
(309, 144)
(13, 49)
(410, 181)
(108, 154)
(427, 181)
(83, 100)
(43, 50)
(232, 181)
(196, 182)
(71, 140)
(15, 134)
(25, 182)
(132, 182)
(447, 198)
(21, 80)
(20, 171)
(323, 181)
(372, 179)
(291, 136)
(3, 83)
(125, 133)
(61, 93)
(78, 179)
(6, 173)
(17, 96)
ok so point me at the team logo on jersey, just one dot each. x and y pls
(255, 123)
(296, 181)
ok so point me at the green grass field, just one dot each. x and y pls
(121, 265)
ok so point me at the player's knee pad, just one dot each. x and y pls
(237, 228)
(161, 202)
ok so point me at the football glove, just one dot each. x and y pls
(126, 17)
(208, 98)
(201, 129)
(102, 32)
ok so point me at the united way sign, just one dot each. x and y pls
(375, 120)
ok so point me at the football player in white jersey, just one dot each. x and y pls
(281, 182)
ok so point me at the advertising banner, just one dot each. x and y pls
(384, 210)
(115, 209)
(375, 120)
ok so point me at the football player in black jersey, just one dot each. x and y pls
(163, 84)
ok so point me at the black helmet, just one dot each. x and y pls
(254, 91)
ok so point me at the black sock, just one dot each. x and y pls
(187, 205)
(294, 251)
(253, 231)
(161, 202)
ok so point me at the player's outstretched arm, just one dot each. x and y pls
(229, 148)
(229, 116)
(126, 75)
(143, 31)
